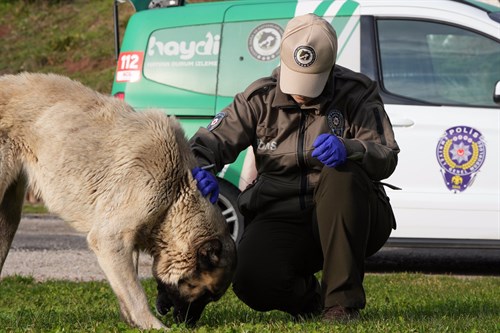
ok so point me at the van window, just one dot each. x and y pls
(438, 63)
(185, 57)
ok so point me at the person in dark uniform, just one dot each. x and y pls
(322, 143)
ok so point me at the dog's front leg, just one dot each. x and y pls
(10, 215)
(114, 253)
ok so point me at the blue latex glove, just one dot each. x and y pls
(207, 183)
(329, 150)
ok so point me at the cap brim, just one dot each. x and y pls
(307, 85)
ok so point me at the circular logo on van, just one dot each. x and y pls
(264, 41)
(461, 152)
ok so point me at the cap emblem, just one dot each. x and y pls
(304, 56)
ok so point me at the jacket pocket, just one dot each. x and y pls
(247, 200)
(269, 195)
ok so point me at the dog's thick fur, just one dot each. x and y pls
(124, 178)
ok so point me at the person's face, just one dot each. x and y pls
(301, 99)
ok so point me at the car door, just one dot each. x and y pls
(437, 79)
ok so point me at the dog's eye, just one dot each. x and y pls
(186, 284)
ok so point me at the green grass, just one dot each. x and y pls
(399, 302)
(34, 209)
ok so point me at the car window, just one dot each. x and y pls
(438, 63)
(184, 57)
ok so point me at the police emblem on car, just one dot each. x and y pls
(461, 152)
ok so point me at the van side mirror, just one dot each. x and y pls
(496, 93)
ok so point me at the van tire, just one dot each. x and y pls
(228, 203)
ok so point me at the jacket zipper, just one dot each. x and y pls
(302, 159)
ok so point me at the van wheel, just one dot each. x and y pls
(228, 198)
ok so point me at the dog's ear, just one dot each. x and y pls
(209, 254)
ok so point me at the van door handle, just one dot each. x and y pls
(402, 123)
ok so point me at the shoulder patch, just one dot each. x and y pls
(263, 84)
(216, 121)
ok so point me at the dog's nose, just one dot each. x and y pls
(163, 304)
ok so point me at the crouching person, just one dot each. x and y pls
(322, 142)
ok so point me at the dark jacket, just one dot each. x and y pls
(282, 134)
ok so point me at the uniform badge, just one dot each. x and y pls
(216, 121)
(461, 152)
(335, 120)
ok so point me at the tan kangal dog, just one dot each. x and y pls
(124, 178)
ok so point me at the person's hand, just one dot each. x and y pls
(329, 150)
(207, 183)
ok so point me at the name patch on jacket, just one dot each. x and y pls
(216, 121)
(335, 120)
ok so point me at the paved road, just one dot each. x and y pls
(47, 248)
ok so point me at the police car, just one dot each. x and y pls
(437, 64)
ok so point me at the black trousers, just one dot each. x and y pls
(278, 255)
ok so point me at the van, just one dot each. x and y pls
(437, 64)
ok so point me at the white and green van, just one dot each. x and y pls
(437, 63)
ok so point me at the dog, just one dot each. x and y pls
(124, 178)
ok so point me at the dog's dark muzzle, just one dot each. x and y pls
(183, 312)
